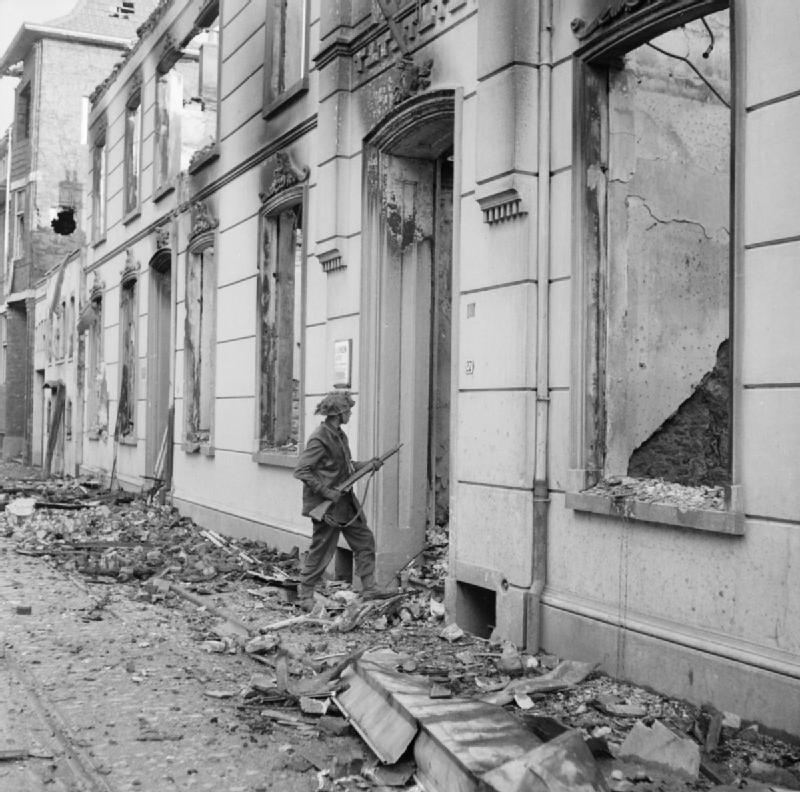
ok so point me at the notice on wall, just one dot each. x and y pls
(342, 362)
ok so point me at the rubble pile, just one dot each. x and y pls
(119, 537)
(660, 491)
(622, 737)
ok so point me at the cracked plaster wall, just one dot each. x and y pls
(669, 140)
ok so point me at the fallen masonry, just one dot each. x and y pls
(437, 709)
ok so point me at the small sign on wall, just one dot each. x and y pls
(342, 363)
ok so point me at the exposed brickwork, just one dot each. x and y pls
(691, 446)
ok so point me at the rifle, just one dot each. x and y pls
(318, 512)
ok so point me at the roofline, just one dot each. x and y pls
(28, 34)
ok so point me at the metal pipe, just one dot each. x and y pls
(541, 496)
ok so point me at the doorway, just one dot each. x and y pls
(407, 339)
(158, 365)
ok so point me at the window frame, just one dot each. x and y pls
(23, 125)
(132, 155)
(275, 100)
(295, 197)
(129, 283)
(209, 14)
(99, 186)
(191, 443)
(608, 42)
(94, 366)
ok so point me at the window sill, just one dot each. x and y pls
(202, 157)
(275, 105)
(163, 191)
(204, 449)
(129, 441)
(132, 215)
(713, 521)
(99, 241)
(276, 458)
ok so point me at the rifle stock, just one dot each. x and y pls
(319, 511)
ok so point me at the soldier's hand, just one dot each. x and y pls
(332, 494)
(376, 463)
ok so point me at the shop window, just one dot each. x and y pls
(280, 338)
(200, 345)
(132, 154)
(128, 361)
(286, 52)
(652, 197)
(99, 174)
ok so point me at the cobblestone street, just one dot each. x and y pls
(121, 696)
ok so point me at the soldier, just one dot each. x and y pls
(323, 465)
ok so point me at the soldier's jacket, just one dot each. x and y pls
(324, 463)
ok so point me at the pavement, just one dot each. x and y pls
(106, 693)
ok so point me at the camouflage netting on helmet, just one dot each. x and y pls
(335, 403)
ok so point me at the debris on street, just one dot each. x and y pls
(421, 693)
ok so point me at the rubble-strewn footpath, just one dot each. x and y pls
(379, 694)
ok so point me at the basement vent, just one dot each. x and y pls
(124, 9)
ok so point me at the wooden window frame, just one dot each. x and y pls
(275, 99)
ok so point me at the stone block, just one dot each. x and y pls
(771, 42)
(772, 191)
(769, 292)
(659, 746)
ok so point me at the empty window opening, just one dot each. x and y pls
(663, 159)
(280, 312)
(200, 346)
(126, 408)
(476, 609)
(123, 10)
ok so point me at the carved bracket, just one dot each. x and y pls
(162, 235)
(331, 260)
(170, 54)
(286, 183)
(202, 221)
(412, 79)
(97, 289)
(131, 269)
(504, 205)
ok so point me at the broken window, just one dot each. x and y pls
(286, 50)
(133, 137)
(19, 224)
(200, 346)
(279, 292)
(199, 118)
(99, 172)
(169, 96)
(71, 328)
(126, 409)
(654, 191)
(24, 112)
(96, 390)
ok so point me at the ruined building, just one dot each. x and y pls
(551, 247)
(58, 63)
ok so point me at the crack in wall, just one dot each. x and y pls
(667, 221)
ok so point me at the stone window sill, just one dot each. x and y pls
(163, 191)
(129, 441)
(276, 458)
(99, 241)
(711, 520)
(204, 449)
(134, 214)
(203, 157)
(287, 97)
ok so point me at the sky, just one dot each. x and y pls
(12, 14)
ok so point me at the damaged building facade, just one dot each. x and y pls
(550, 247)
(57, 63)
